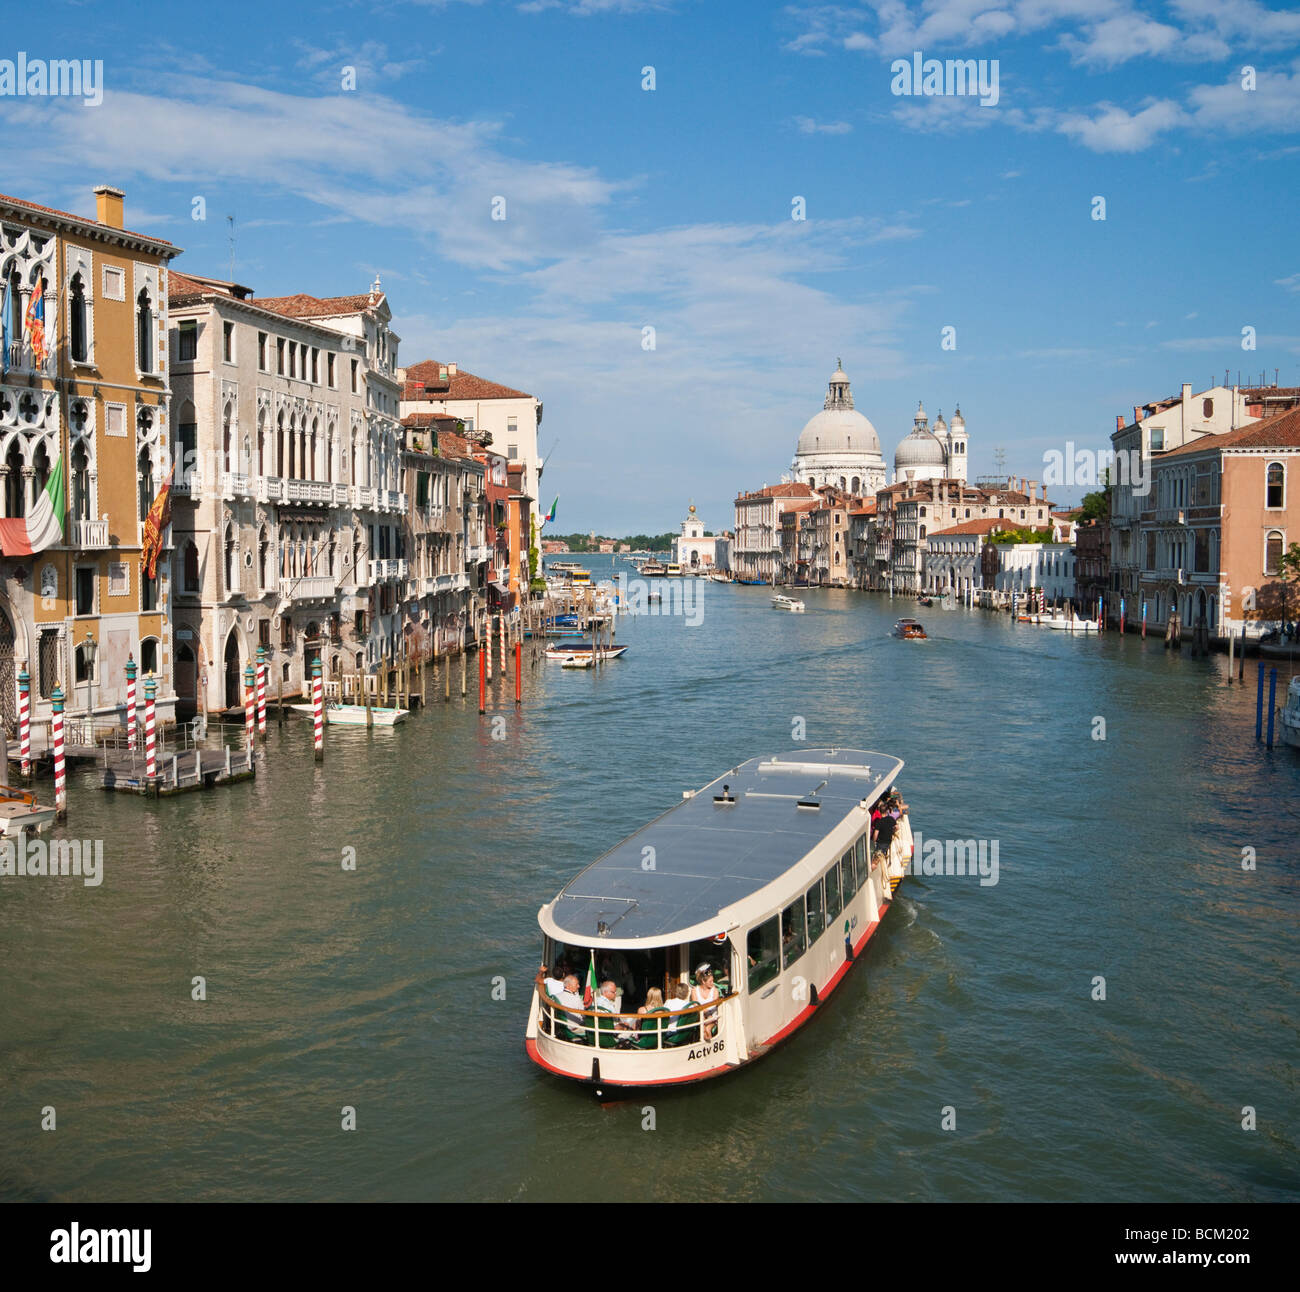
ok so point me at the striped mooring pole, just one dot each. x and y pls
(502, 638)
(318, 709)
(60, 781)
(130, 702)
(1144, 620)
(25, 722)
(1121, 614)
(150, 732)
(249, 704)
(486, 653)
(261, 691)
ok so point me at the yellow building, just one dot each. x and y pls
(99, 399)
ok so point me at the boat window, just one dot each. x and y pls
(848, 882)
(794, 933)
(833, 906)
(860, 859)
(816, 915)
(764, 953)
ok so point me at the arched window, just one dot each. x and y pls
(279, 444)
(264, 558)
(149, 656)
(1273, 545)
(311, 457)
(145, 339)
(15, 496)
(190, 574)
(41, 471)
(1275, 488)
(144, 482)
(15, 319)
(261, 442)
(226, 433)
(85, 668)
(293, 440)
(230, 561)
(81, 483)
(77, 331)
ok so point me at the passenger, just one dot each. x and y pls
(705, 993)
(654, 1002)
(572, 997)
(885, 828)
(555, 983)
(607, 1001)
(678, 1001)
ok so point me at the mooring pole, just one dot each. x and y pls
(1272, 703)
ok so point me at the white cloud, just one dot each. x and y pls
(1115, 130)
(1291, 282)
(808, 126)
(1273, 105)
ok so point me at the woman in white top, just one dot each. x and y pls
(705, 993)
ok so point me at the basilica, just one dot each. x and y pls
(839, 447)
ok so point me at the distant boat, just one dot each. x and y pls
(924, 601)
(653, 570)
(354, 715)
(910, 630)
(578, 661)
(567, 650)
(782, 602)
(753, 583)
(718, 577)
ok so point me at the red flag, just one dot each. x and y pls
(159, 517)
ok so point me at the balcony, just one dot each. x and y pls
(477, 554)
(363, 497)
(235, 485)
(308, 587)
(318, 491)
(89, 534)
(388, 569)
(20, 359)
(437, 584)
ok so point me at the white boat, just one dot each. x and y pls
(21, 814)
(1289, 715)
(1062, 624)
(774, 898)
(782, 602)
(570, 650)
(578, 661)
(354, 715)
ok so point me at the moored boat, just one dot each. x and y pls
(764, 894)
(653, 569)
(1289, 715)
(908, 629)
(566, 650)
(355, 715)
(20, 813)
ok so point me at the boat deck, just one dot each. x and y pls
(709, 855)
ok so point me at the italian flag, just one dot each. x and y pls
(44, 527)
(589, 996)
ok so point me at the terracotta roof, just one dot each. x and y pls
(424, 381)
(303, 306)
(780, 491)
(985, 526)
(179, 287)
(420, 421)
(1280, 432)
(82, 219)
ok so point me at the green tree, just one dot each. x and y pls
(1288, 569)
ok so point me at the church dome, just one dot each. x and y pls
(838, 430)
(939, 424)
(919, 449)
(957, 418)
(839, 427)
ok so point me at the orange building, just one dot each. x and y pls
(1223, 510)
(99, 400)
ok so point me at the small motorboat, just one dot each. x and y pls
(793, 604)
(579, 661)
(21, 814)
(924, 601)
(910, 630)
(355, 715)
(1062, 624)
(569, 650)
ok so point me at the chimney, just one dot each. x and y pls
(108, 206)
(1119, 421)
(451, 372)
(1185, 406)
(1033, 491)
(1137, 414)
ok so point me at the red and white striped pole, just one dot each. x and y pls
(150, 735)
(248, 705)
(130, 702)
(60, 784)
(25, 721)
(261, 691)
(486, 653)
(318, 709)
(501, 637)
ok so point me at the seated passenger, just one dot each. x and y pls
(705, 993)
(679, 1001)
(572, 997)
(654, 1002)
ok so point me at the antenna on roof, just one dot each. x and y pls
(1000, 460)
(230, 221)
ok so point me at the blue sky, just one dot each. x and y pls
(671, 208)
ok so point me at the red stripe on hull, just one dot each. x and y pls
(784, 1034)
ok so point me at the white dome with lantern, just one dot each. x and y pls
(839, 446)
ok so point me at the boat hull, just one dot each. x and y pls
(354, 715)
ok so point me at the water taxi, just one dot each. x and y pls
(21, 814)
(729, 920)
(782, 602)
(909, 629)
(653, 569)
(562, 567)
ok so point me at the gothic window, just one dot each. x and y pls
(261, 442)
(293, 438)
(41, 473)
(1273, 552)
(144, 331)
(187, 439)
(190, 574)
(230, 560)
(279, 445)
(311, 459)
(15, 497)
(15, 318)
(77, 320)
(225, 439)
(264, 557)
(81, 501)
(144, 481)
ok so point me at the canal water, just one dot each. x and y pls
(399, 988)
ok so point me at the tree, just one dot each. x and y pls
(1288, 568)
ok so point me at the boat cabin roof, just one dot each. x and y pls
(715, 848)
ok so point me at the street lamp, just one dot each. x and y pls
(88, 649)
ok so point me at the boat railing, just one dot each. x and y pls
(662, 1029)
